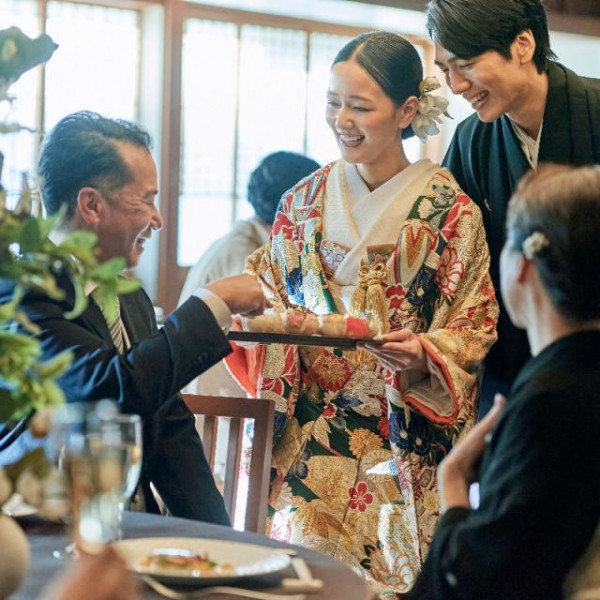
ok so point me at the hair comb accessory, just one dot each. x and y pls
(430, 111)
(534, 244)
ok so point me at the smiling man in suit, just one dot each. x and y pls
(100, 172)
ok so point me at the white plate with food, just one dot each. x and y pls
(199, 561)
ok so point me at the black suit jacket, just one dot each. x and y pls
(487, 161)
(145, 380)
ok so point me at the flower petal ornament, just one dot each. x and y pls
(534, 244)
(431, 109)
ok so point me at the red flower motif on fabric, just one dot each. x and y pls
(461, 322)
(450, 271)
(329, 411)
(395, 295)
(330, 372)
(273, 385)
(282, 225)
(287, 203)
(449, 230)
(360, 497)
(383, 427)
(288, 375)
(487, 290)
(489, 323)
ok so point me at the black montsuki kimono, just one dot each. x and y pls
(539, 487)
(487, 161)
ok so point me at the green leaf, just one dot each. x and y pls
(78, 241)
(25, 323)
(26, 52)
(55, 367)
(7, 311)
(126, 285)
(53, 394)
(10, 409)
(45, 282)
(109, 270)
(81, 299)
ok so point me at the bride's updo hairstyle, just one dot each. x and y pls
(554, 220)
(391, 60)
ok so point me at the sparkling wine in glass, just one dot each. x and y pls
(92, 458)
(94, 464)
(128, 430)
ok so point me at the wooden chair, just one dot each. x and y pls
(238, 409)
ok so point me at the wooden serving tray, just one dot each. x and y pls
(295, 339)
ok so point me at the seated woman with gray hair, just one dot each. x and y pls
(535, 533)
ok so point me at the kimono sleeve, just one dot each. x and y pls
(463, 327)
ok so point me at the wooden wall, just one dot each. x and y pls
(570, 16)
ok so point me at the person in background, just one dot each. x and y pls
(532, 536)
(98, 175)
(359, 434)
(276, 173)
(528, 109)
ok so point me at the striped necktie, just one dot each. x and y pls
(110, 307)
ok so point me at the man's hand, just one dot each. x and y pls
(242, 294)
(458, 470)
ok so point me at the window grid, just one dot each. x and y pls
(95, 67)
(19, 148)
(208, 116)
(281, 80)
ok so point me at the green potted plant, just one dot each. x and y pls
(29, 259)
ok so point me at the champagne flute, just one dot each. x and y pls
(128, 429)
(91, 456)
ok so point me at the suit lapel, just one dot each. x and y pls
(95, 320)
(138, 321)
(568, 130)
(556, 141)
(92, 315)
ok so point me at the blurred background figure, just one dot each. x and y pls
(275, 174)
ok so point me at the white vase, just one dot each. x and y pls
(15, 556)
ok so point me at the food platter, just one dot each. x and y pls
(343, 343)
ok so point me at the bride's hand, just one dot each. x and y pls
(401, 351)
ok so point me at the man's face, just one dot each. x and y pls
(130, 215)
(490, 83)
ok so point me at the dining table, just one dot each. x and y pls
(339, 581)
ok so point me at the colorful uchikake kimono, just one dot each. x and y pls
(357, 446)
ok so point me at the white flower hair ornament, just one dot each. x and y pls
(534, 244)
(430, 111)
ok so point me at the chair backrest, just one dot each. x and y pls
(238, 409)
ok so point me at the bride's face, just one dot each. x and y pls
(365, 121)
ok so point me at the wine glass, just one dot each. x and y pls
(91, 455)
(128, 430)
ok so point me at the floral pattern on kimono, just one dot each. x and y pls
(357, 446)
